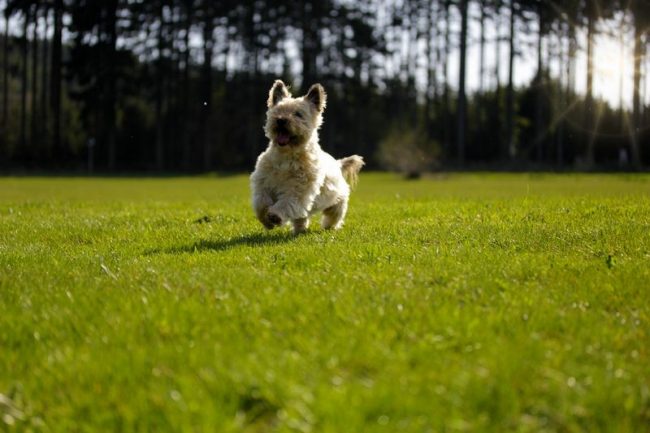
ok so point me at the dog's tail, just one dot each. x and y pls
(350, 168)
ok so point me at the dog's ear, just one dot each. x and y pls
(317, 96)
(278, 92)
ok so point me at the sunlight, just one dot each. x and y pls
(613, 66)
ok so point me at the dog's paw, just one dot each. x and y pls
(267, 225)
(273, 220)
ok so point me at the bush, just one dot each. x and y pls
(408, 151)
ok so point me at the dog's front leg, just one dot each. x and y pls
(293, 208)
(287, 209)
(261, 203)
(300, 225)
(296, 206)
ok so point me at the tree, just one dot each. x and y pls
(179, 85)
(160, 86)
(545, 12)
(5, 81)
(640, 10)
(207, 85)
(590, 13)
(34, 87)
(24, 79)
(510, 92)
(446, 98)
(462, 102)
(483, 15)
(45, 70)
(57, 77)
(188, 17)
(111, 81)
(431, 93)
(311, 15)
(497, 80)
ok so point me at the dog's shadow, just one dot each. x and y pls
(253, 240)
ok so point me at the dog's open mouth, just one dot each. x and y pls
(282, 138)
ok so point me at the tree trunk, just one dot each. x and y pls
(481, 83)
(621, 69)
(206, 112)
(44, 77)
(497, 80)
(309, 45)
(160, 93)
(111, 85)
(23, 94)
(34, 87)
(589, 102)
(185, 98)
(446, 140)
(5, 82)
(251, 136)
(173, 86)
(436, 62)
(643, 95)
(479, 99)
(636, 96)
(411, 62)
(462, 101)
(432, 90)
(539, 87)
(56, 79)
(510, 97)
(565, 91)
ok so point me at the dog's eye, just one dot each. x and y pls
(298, 114)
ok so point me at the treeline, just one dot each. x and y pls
(181, 84)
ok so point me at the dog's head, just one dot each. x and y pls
(290, 122)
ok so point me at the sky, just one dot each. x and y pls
(613, 71)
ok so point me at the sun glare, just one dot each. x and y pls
(612, 68)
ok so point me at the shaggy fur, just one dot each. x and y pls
(294, 178)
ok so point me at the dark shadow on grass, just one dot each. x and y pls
(252, 240)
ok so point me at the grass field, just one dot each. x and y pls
(487, 303)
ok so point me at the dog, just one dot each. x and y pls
(294, 178)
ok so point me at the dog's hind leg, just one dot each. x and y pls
(300, 225)
(334, 215)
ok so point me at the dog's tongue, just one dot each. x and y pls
(282, 139)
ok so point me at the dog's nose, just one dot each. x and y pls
(281, 122)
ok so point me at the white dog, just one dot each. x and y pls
(294, 178)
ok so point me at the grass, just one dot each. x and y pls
(485, 303)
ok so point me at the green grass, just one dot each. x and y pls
(463, 303)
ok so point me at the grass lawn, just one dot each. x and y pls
(486, 303)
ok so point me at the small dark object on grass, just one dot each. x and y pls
(203, 220)
(413, 175)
